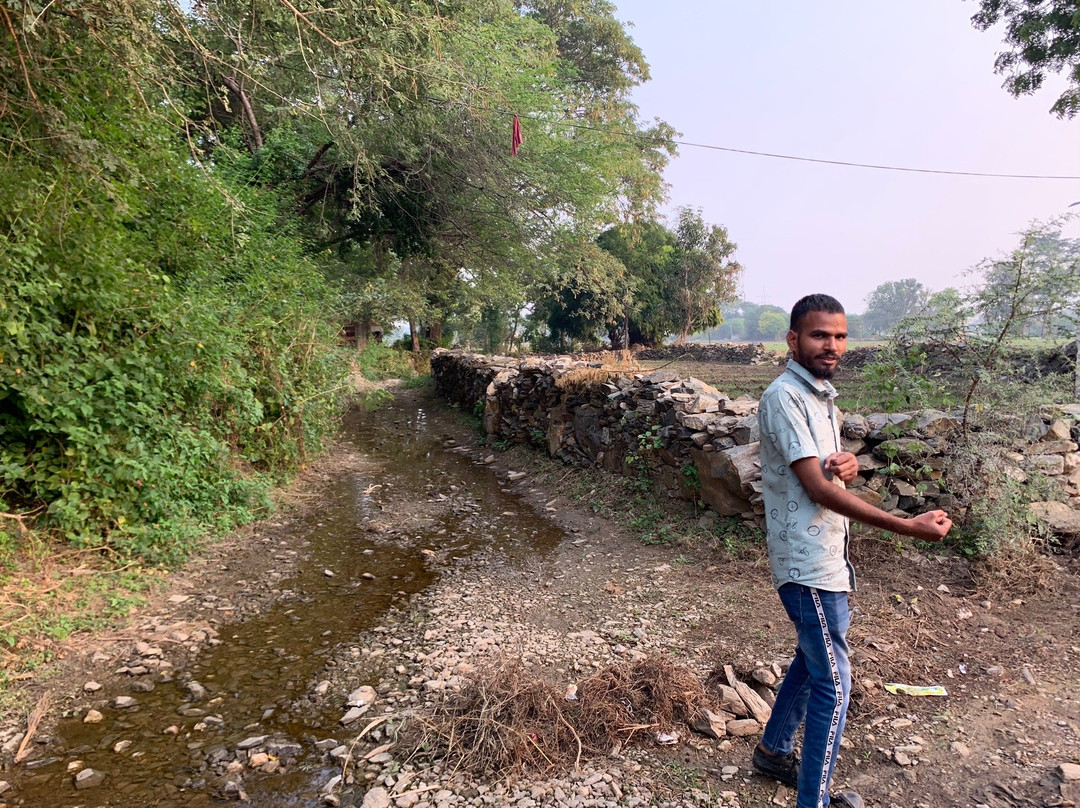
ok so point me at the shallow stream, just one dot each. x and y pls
(259, 676)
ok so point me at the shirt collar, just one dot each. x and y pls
(820, 387)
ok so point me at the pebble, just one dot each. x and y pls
(377, 797)
(89, 778)
(251, 742)
(93, 717)
(92, 687)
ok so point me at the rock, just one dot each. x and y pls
(352, 715)
(121, 746)
(376, 798)
(93, 717)
(1069, 772)
(730, 700)
(89, 778)
(855, 427)
(710, 724)
(124, 702)
(197, 691)
(867, 462)
(91, 687)
(869, 496)
(251, 742)
(258, 759)
(727, 477)
(1058, 516)
(4, 786)
(361, 697)
(1059, 429)
(757, 706)
(1052, 464)
(901, 758)
(698, 422)
(746, 430)
(742, 727)
(765, 676)
(960, 748)
(934, 423)
(284, 748)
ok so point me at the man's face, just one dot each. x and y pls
(819, 342)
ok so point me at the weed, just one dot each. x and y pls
(417, 382)
(377, 398)
(378, 362)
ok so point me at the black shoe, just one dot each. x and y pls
(846, 799)
(784, 768)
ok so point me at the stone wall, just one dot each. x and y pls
(730, 353)
(698, 443)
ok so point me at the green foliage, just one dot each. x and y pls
(165, 348)
(680, 277)
(377, 399)
(379, 361)
(1044, 38)
(891, 302)
(897, 380)
(960, 349)
(772, 325)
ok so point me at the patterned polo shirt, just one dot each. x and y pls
(808, 544)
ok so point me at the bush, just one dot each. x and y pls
(165, 347)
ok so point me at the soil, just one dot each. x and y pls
(1004, 642)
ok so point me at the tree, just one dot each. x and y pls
(705, 273)
(1044, 37)
(589, 295)
(891, 302)
(772, 324)
(647, 250)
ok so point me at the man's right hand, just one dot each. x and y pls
(930, 526)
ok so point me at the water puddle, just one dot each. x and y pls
(258, 678)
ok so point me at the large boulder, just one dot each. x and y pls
(728, 477)
(1058, 516)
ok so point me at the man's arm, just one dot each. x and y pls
(930, 526)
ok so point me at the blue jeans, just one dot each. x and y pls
(815, 689)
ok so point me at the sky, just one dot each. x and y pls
(906, 84)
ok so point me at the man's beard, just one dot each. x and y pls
(822, 373)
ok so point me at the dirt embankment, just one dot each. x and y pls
(1008, 658)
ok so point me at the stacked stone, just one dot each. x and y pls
(729, 353)
(697, 443)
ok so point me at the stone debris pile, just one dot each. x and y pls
(697, 443)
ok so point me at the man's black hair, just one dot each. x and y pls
(825, 303)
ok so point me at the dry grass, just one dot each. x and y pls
(507, 720)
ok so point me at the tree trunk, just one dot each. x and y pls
(238, 89)
(363, 334)
(435, 329)
(415, 335)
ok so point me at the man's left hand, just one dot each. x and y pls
(843, 465)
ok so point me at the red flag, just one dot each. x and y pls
(516, 139)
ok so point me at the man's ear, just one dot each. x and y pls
(792, 340)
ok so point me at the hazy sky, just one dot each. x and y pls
(908, 84)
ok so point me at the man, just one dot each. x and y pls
(807, 508)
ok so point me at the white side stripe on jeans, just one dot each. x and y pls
(834, 670)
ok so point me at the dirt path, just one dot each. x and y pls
(1010, 662)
